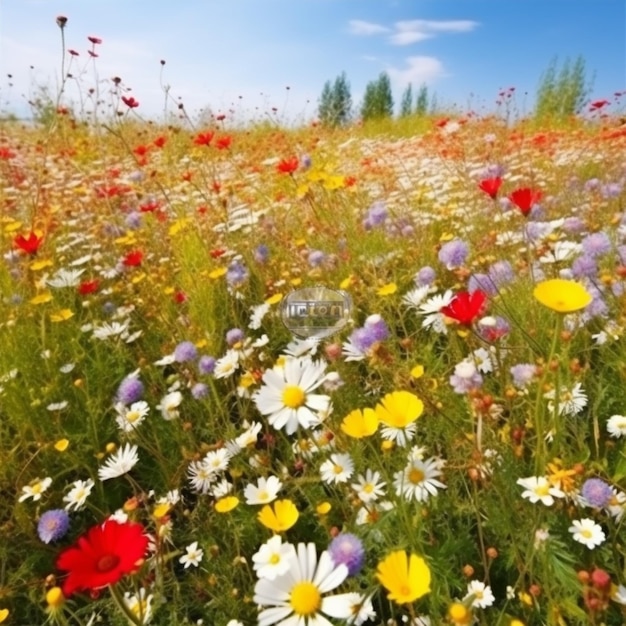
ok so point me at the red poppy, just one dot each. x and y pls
(220, 118)
(88, 286)
(204, 139)
(29, 244)
(159, 142)
(6, 153)
(465, 307)
(130, 102)
(133, 258)
(141, 150)
(525, 198)
(73, 52)
(288, 166)
(103, 556)
(94, 40)
(224, 142)
(598, 104)
(491, 186)
(180, 297)
(92, 54)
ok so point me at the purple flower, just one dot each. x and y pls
(305, 162)
(199, 391)
(261, 254)
(492, 328)
(236, 274)
(376, 215)
(347, 549)
(453, 253)
(483, 283)
(621, 253)
(133, 220)
(592, 184)
(610, 190)
(53, 525)
(466, 377)
(316, 258)
(596, 244)
(584, 265)
(206, 364)
(425, 276)
(596, 492)
(233, 336)
(573, 225)
(376, 327)
(130, 390)
(185, 351)
(523, 374)
(501, 273)
(494, 170)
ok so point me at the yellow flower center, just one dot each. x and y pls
(293, 396)
(368, 488)
(132, 416)
(263, 496)
(542, 490)
(416, 476)
(337, 469)
(36, 488)
(275, 558)
(586, 533)
(305, 599)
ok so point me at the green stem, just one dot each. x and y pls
(123, 607)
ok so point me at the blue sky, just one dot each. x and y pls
(243, 54)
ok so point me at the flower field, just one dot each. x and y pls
(451, 454)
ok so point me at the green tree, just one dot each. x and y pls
(562, 92)
(335, 103)
(421, 104)
(378, 99)
(406, 103)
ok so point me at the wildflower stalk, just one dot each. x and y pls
(123, 607)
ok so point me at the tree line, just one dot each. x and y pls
(562, 93)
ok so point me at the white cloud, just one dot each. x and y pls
(359, 27)
(413, 31)
(421, 69)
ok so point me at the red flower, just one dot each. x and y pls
(88, 286)
(598, 104)
(288, 166)
(92, 54)
(130, 102)
(224, 142)
(525, 198)
(29, 244)
(94, 40)
(6, 154)
(103, 556)
(491, 186)
(180, 297)
(73, 52)
(465, 307)
(204, 139)
(159, 142)
(133, 258)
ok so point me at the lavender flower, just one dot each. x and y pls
(573, 225)
(261, 254)
(199, 391)
(316, 258)
(466, 377)
(233, 336)
(584, 265)
(596, 492)
(523, 374)
(133, 220)
(453, 253)
(206, 364)
(425, 276)
(482, 282)
(501, 273)
(130, 390)
(53, 525)
(237, 274)
(185, 351)
(347, 549)
(376, 215)
(596, 244)
(610, 190)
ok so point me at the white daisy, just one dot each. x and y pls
(65, 278)
(248, 438)
(193, 555)
(539, 489)
(479, 594)
(169, 405)
(431, 311)
(266, 490)
(337, 469)
(570, 402)
(201, 476)
(587, 532)
(119, 463)
(617, 505)
(286, 397)
(258, 313)
(414, 298)
(419, 479)
(220, 489)
(272, 558)
(227, 365)
(371, 512)
(78, 494)
(115, 329)
(35, 489)
(128, 418)
(297, 597)
(369, 487)
(140, 605)
(302, 347)
(616, 426)
(217, 460)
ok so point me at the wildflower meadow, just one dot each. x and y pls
(451, 451)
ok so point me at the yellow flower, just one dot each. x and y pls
(161, 510)
(563, 296)
(275, 299)
(359, 423)
(4, 613)
(224, 505)
(399, 408)
(405, 577)
(218, 272)
(459, 614)
(40, 265)
(42, 298)
(417, 371)
(280, 516)
(61, 445)
(323, 508)
(62, 315)
(55, 597)
(388, 289)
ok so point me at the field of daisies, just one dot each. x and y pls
(452, 453)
